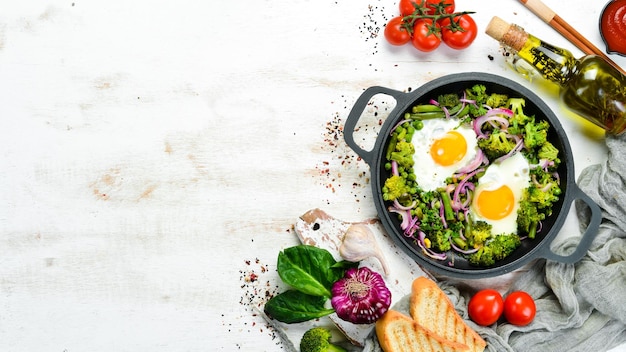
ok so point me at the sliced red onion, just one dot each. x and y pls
(546, 187)
(428, 252)
(442, 216)
(557, 177)
(404, 214)
(361, 296)
(464, 251)
(398, 124)
(517, 148)
(446, 112)
(543, 163)
(462, 187)
(394, 168)
(461, 109)
(478, 160)
(403, 207)
(490, 117)
(413, 226)
(500, 111)
(434, 102)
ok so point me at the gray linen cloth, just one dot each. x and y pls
(580, 307)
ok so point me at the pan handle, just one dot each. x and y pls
(587, 237)
(357, 110)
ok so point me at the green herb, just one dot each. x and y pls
(311, 273)
(295, 307)
(309, 269)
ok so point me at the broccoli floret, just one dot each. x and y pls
(395, 187)
(519, 119)
(477, 233)
(496, 100)
(496, 144)
(535, 134)
(543, 196)
(537, 200)
(548, 151)
(497, 248)
(478, 93)
(432, 225)
(318, 340)
(448, 100)
(403, 154)
(440, 240)
(528, 218)
(517, 106)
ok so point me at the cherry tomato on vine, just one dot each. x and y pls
(485, 307)
(459, 38)
(423, 37)
(395, 33)
(449, 5)
(519, 308)
(407, 7)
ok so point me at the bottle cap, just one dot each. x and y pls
(508, 34)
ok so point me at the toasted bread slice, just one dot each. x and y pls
(431, 308)
(397, 332)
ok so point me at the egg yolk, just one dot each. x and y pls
(449, 149)
(495, 204)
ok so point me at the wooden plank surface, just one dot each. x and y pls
(157, 154)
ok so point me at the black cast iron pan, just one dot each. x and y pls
(456, 265)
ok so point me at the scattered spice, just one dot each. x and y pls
(373, 23)
(257, 288)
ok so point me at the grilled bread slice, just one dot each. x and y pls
(431, 308)
(397, 332)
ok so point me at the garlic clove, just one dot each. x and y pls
(359, 243)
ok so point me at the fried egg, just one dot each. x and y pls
(441, 148)
(498, 193)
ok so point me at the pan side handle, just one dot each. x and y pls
(587, 237)
(357, 111)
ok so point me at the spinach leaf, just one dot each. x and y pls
(309, 269)
(295, 307)
(344, 265)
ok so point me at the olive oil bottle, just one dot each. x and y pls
(590, 86)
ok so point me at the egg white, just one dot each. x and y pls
(512, 172)
(429, 174)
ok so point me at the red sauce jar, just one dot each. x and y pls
(613, 27)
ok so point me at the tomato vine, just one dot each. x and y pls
(426, 23)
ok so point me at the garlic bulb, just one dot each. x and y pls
(359, 243)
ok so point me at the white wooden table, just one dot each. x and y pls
(155, 155)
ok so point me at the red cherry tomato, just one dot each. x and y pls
(423, 37)
(448, 5)
(459, 38)
(519, 308)
(485, 307)
(395, 33)
(407, 7)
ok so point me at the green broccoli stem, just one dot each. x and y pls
(429, 111)
(459, 242)
(532, 230)
(393, 141)
(447, 205)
